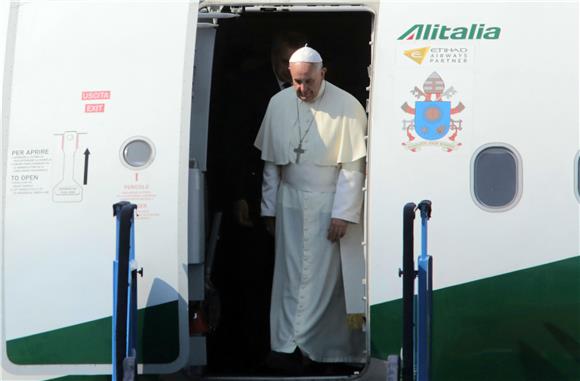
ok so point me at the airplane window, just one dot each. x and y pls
(138, 153)
(496, 179)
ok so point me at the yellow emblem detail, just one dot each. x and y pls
(417, 55)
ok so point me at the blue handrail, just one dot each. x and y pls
(408, 274)
(124, 346)
(425, 291)
(417, 319)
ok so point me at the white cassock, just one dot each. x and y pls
(308, 305)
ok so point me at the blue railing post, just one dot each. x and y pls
(408, 273)
(424, 312)
(124, 348)
(417, 312)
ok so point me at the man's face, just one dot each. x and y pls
(280, 63)
(306, 79)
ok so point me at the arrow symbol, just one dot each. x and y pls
(87, 154)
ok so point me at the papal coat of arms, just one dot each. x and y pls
(432, 124)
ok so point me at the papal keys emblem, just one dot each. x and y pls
(433, 124)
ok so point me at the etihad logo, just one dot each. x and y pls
(449, 55)
(443, 32)
(417, 55)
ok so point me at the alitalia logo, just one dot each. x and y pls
(444, 32)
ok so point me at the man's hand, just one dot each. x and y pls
(270, 223)
(242, 214)
(337, 229)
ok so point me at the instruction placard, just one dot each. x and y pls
(29, 171)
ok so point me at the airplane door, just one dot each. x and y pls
(200, 101)
(96, 109)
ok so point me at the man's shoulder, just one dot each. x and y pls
(342, 96)
(282, 97)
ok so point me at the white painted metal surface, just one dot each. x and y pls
(92, 75)
(514, 93)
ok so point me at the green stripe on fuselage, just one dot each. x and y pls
(90, 343)
(523, 325)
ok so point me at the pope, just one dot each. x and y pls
(312, 140)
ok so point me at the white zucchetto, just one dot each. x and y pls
(305, 54)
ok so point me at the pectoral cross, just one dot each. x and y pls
(299, 151)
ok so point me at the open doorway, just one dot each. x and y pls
(242, 84)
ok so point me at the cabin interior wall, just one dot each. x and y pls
(242, 75)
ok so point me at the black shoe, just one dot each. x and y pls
(285, 364)
(316, 368)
